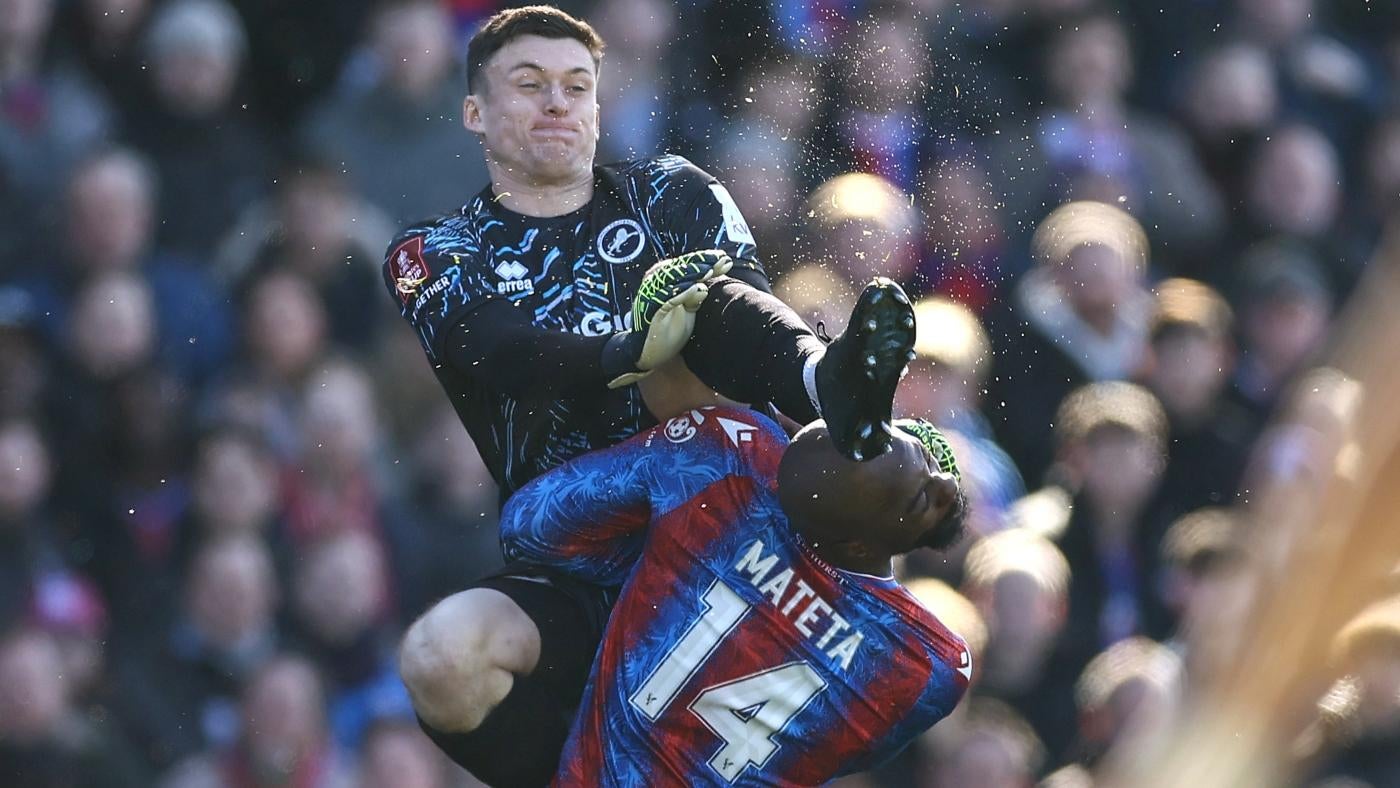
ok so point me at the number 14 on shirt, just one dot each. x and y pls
(746, 712)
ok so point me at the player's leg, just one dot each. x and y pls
(750, 346)
(496, 672)
(460, 659)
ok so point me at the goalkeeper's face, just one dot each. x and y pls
(537, 109)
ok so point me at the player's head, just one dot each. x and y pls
(908, 497)
(532, 77)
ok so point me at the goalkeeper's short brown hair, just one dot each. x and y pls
(531, 20)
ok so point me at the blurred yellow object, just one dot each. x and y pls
(1326, 541)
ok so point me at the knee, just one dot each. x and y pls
(459, 659)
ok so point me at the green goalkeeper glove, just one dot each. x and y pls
(663, 313)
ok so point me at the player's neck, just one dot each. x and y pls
(534, 198)
(874, 567)
(846, 557)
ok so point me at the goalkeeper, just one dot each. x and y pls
(523, 300)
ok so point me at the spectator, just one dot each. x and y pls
(881, 122)
(766, 147)
(283, 739)
(341, 597)
(43, 738)
(28, 545)
(405, 387)
(234, 488)
(861, 226)
(106, 38)
(334, 490)
(1080, 315)
(1362, 714)
(1229, 104)
(147, 451)
(334, 485)
(1091, 144)
(1192, 360)
(212, 160)
(635, 92)
(1311, 427)
(1111, 440)
(1285, 314)
(234, 492)
(817, 296)
(407, 124)
(1322, 76)
(284, 338)
(1203, 582)
(1128, 692)
(965, 244)
(992, 748)
(317, 227)
(1295, 185)
(455, 510)
(1020, 584)
(398, 755)
(108, 227)
(956, 611)
(50, 117)
(181, 684)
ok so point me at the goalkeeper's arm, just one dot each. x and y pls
(499, 346)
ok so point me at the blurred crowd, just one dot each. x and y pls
(228, 478)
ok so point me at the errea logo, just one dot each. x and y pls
(513, 279)
(511, 269)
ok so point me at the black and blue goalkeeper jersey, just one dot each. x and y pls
(574, 273)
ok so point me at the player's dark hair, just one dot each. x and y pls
(531, 20)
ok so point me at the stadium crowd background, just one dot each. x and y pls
(228, 478)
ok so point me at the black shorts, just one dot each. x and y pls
(570, 616)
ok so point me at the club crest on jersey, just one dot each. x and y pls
(513, 278)
(408, 268)
(622, 241)
(680, 429)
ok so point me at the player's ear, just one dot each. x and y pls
(471, 114)
(945, 490)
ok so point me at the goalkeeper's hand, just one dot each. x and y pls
(663, 314)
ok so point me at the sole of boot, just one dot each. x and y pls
(881, 336)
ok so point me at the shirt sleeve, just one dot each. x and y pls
(699, 213)
(945, 689)
(588, 517)
(434, 274)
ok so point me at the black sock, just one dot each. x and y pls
(751, 347)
